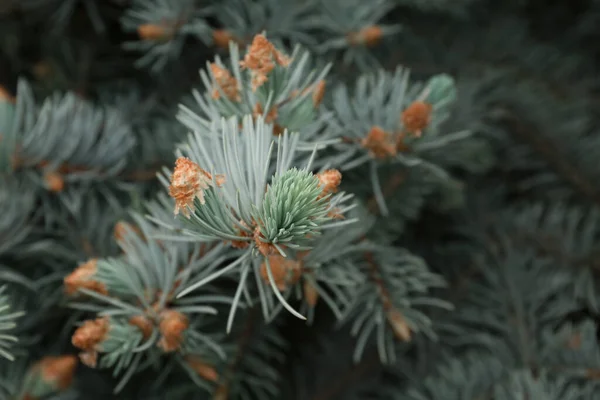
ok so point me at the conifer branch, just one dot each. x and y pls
(526, 133)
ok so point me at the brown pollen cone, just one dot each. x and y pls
(368, 36)
(54, 181)
(399, 326)
(379, 143)
(335, 213)
(222, 37)
(188, 182)
(318, 93)
(58, 370)
(261, 59)
(91, 333)
(88, 338)
(241, 244)
(172, 326)
(310, 293)
(122, 229)
(83, 278)
(155, 32)
(416, 117)
(226, 82)
(285, 271)
(143, 324)
(264, 248)
(330, 181)
(269, 118)
(203, 369)
(5, 95)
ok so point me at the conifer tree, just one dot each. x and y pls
(300, 199)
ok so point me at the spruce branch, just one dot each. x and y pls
(162, 28)
(352, 28)
(235, 204)
(285, 91)
(386, 304)
(388, 120)
(525, 132)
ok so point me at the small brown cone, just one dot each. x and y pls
(123, 228)
(58, 371)
(265, 249)
(368, 36)
(172, 326)
(226, 82)
(203, 369)
(83, 278)
(155, 32)
(222, 37)
(399, 325)
(54, 181)
(143, 324)
(416, 117)
(330, 181)
(310, 294)
(379, 143)
(285, 271)
(5, 95)
(89, 335)
(318, 93)
(261, 58)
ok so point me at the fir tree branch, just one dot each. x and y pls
(375, 276)
(243, 342)
(389, 188)
(527, 133)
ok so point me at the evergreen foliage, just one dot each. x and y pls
(300, 200)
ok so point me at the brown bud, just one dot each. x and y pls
(54, 181)
(203, 369)
(222, 37)
(83, 278)
(155, 32)
(172, 326)
(58, 371)
(122, 228)
(143, 324)
(399, 325)
(269, 118)
(264, 248)
(416, 117)
(368, 36)
(318, 93)
(188, 182)
(310, 293)
(241, 244)
(261, 59)
(91, 333)
(335, 213)
(226, 82)
(329, 180)
(379, 143)
(285, 271)
(5, 95)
